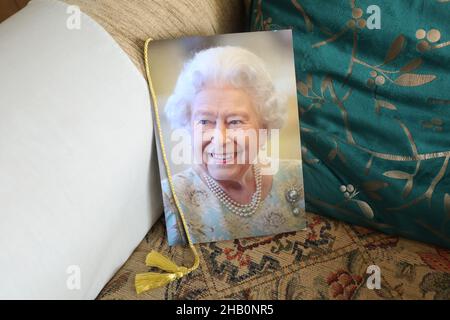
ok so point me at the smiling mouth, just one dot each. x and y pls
(222, 156)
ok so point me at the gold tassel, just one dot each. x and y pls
(151, 280)
(157, 260)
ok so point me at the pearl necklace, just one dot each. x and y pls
(243, 210)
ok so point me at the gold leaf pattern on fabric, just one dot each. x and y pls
(326, 82)
(384, 104)
(395, 174)
(332, 154)
(343, 110)
(309, 80)
(395, 49)
(412, 65)
(428, 193)
(302, 88)
(308, 23)
(368, 165)
(365, 208)
(438, 101)
(333, 38)
(408, 187)
(414, 80)
(438, 178)
(410, 138)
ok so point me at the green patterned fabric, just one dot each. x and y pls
(375, 110)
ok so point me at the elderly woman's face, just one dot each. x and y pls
(220, 115)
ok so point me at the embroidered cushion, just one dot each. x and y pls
(374, 108)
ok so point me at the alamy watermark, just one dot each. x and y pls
(73, 22)
(73, 281)
(374, 20)
(374, 279)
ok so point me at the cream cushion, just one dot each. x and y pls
(78, 190)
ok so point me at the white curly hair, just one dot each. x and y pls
(221, 66)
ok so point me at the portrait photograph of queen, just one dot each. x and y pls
(231, 135)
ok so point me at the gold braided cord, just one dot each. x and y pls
(152, 280)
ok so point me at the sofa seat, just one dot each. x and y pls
(327, 261)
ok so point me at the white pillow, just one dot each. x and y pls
(78, 190)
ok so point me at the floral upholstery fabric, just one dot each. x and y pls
(374, 109)
(327, 261)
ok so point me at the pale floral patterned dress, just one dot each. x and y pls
(209, 220)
